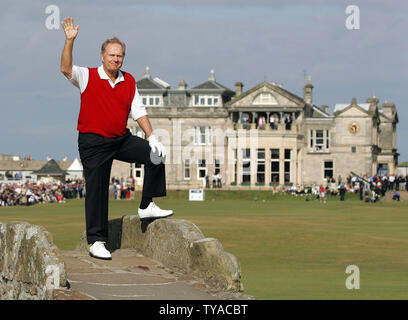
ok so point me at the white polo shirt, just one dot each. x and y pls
(80, 77)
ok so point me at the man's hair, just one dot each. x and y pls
(113, 40)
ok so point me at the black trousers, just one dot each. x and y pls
(97, 154)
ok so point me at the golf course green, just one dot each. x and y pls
(288, 248)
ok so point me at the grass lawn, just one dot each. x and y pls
(288, 248)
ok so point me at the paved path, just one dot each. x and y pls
(128, 276)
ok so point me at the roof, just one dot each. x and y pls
(21, 165)
(320, 111)
(148, 83)
(50, 168)
(289, 95)
(342, 106)
(211, 85)
(29, 165)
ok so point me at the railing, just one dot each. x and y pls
(281, 127)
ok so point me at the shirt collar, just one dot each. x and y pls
(104, 76)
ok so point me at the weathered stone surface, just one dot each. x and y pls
(31, 266)
(169, 241)
(179, 245)
(218, 268)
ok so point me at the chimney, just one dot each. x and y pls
(182, 85)
(389, 109)
(212, 75)
(373, 104)
(147, 73)
(325, 108)
(238, 88)
(307, 91)
(373, 100)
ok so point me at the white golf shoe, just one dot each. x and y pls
(153, 212)
(98, 250)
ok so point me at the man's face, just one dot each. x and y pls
(112, 58)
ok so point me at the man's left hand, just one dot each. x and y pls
(156, 145)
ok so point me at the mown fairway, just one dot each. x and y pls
(288, 248)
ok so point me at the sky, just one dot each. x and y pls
(242, 40)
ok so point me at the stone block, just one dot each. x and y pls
(31, 266)
(220, 269)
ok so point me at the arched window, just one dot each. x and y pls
(265, 98)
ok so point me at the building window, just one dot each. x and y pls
(138, 171)
(327, 139)
(205, 100)
(353, 149)
(328, 169)
(274, 165)
(152, 101)
(319, 140)
(246, 166)
(202, 169)
(287, 165)
(202, 135)
(187, 169)
(217, 166)
(260, 173)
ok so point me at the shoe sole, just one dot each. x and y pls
(154, 218)
(96, 257)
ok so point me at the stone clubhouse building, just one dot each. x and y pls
(262, 137)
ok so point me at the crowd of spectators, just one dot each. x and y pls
(14, 194)
(122, 188)
(369, 188)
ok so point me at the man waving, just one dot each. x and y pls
(108, 95)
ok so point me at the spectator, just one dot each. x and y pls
(218, 177)
(207, 181)
(396, 196)
(342, 191)
(322, 194)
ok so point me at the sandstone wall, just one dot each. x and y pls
(31, 266)
(179, 245)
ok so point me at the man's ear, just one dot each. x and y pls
(102, 56)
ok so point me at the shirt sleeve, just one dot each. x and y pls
(80, 77)
(138, 109)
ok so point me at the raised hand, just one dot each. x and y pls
(70, 31)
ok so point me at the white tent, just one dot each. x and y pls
(75, 166)
(75, 170)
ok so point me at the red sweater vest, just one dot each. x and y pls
(105, 110)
